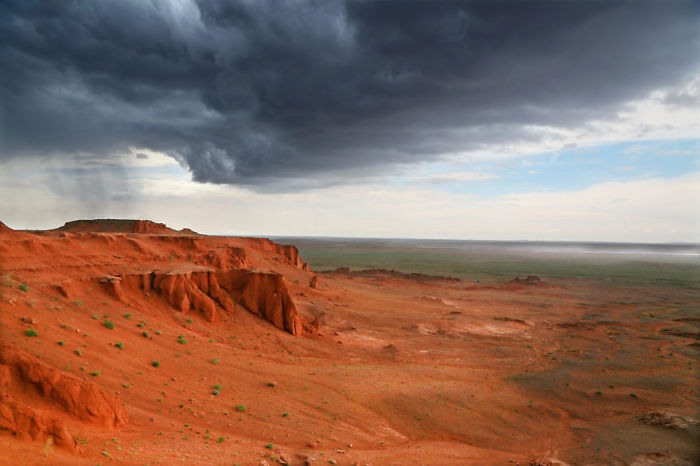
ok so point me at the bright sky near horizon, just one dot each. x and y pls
(530, 120)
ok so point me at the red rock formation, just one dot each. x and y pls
(314, 282)
(5, 229)
(21, 373)
(206, 291)
(291, 253)
(264, 294)
(28, 424)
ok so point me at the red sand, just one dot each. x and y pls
(231, 351)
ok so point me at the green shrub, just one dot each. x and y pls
(269, 446)
(145, 334)
(127, 316)
(181, 340)
(119, 345)
(61, 343)
(24, 288)
(189, 321)
(241, 408)
(155, 364)
(78, 303)
(218, 387)
(215, 361)
(78, 352)
(215, 392)
(30, 332)
(220, 440)
(95, 317)
(109, 324)
(95, 374)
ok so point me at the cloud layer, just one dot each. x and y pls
(287, 96)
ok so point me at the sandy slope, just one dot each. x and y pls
(373, 368)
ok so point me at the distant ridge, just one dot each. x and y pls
(111, 225)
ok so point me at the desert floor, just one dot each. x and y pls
(390, 368)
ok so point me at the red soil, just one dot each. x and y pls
(192, 339)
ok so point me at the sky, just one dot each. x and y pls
(538, 120)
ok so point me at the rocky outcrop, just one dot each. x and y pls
(21, 373)
(27, 423)
(289, 252)
(5, 229)
(207, 291)
(266, 295)
(314, 282)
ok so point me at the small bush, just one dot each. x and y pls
(145, 334)
(158, 332)
(220, 440)
(181, 340)
(214, 361)
(24, 288)
(189, 321)
(95, 374)
(285, 414)
(109, 324)
(155, 364)
(218, 387)
(119, 345)
(127, 316)
(61, 343)
(269, 446)
(78, 352)
(78, 303)
(215, 392)
(30, 332)
(241, 408)
(140, 324)
(95, 317)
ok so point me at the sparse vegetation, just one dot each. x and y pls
(61, 343)
(155, 364)
(109, 324)
(181, 339)
(78, 303)
(24, 288)
(30, 332)
(95, 373)
(189, 321)
(145, 334)
(78, 352)
(119, 345)
(241, 408)
(127, 316)
(214, 361)
(221, 440)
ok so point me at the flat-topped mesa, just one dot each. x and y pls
(111, 225)
(208, 291)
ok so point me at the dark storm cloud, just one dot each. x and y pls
(287, 95)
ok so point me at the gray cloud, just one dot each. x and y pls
(292, 95)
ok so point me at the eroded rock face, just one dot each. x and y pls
(207, 291)
(22, 373)
(264, 294)
(22, 377)
(27, 423)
